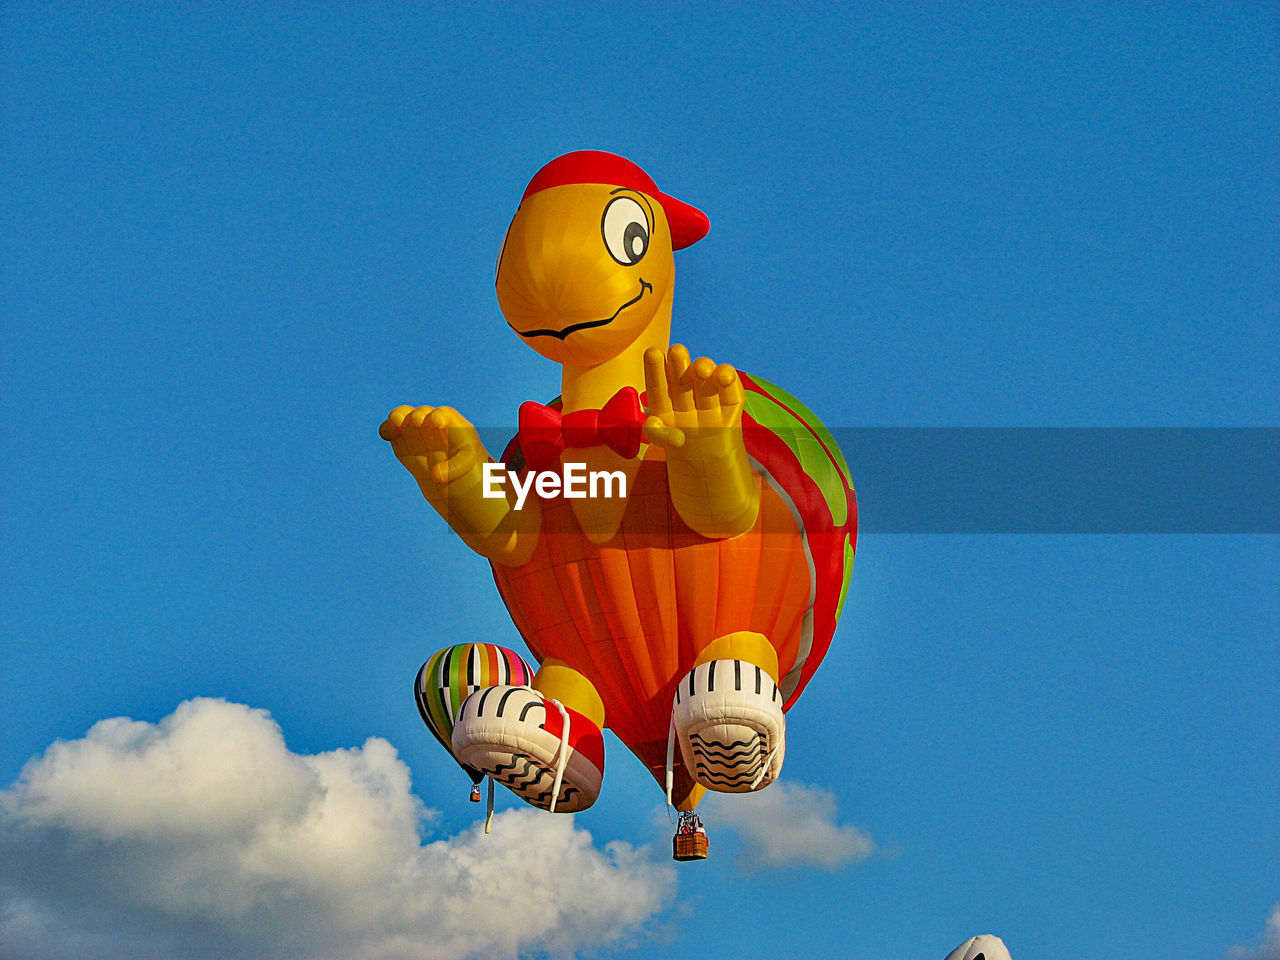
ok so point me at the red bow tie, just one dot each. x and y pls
(545, 433)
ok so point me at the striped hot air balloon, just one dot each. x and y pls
(632, 614)
(453, 674)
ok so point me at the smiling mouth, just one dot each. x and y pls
(588, 324)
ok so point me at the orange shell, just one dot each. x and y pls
(632, 614)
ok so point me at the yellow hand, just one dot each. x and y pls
(436, 444)
(443, 452)
(689, 399)
(696, 416)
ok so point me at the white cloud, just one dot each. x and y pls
(204, 836)
(790, 824)
(1268, 944)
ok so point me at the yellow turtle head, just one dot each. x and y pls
(587, 260)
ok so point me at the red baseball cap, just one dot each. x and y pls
(688, 224)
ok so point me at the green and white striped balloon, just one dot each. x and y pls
(456, 672)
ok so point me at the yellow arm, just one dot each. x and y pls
(696, 415)
(444, 454)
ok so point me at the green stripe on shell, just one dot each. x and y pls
(830, 477)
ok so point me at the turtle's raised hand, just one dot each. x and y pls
(444, 453)
(686, 397)
(435, 444)
(695, 412)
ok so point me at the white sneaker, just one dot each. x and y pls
(517, 737)
(728, 719)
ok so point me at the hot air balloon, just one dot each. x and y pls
(685, 601)
(986, 946)
(453, 674)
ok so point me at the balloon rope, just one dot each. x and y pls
(562, 754)
(488, 818)
(764, 767)
(671, 754)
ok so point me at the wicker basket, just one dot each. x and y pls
(689, 846)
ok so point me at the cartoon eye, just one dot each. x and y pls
(626, 230)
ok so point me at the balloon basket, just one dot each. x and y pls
(690, 841)
(690, 846)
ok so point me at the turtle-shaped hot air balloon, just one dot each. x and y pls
(686, 599)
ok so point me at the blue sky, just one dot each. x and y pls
(234, 236)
